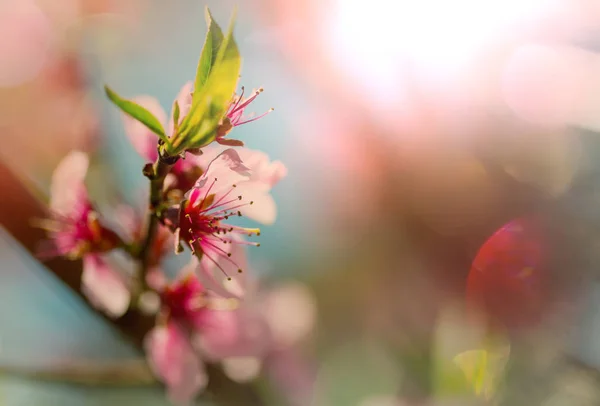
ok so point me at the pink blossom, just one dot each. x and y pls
(225, 189)
(188, 312)
(235, 117)
(77, 232)
(168, 345)
(74, 226)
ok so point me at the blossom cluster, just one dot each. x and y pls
(213, 310)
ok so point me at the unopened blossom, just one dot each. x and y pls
(76, 231)
(235, 117)
(226, 189)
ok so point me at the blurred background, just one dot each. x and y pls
(414, 132)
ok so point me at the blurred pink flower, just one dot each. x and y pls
(172, 358)
(195, 324)
(74, 226)
(77, 232)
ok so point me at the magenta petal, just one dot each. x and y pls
(104, 287)
(174, 361)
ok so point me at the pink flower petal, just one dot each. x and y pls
(263, 170)
(222, 173)
(263, 208)
(172, 358)
(67, 189)
(143, 140)
(209, 153)
(104, 287)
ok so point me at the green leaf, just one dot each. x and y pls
(225, 72)
(212, 44)
(176, 113)
(211, 101)
(138, 112)
(483, 370)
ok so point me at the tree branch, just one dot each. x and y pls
(19, 205)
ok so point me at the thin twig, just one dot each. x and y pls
(159, 171)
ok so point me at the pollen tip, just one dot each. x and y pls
(239, 197)
(229, 278)
(240, 270)
(252, 202)
(234, 185)
(229, 254)
(260, 90)
(258, 244)
(258, 233)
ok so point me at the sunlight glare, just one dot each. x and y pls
(374, 39)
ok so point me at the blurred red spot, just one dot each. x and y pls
(505, 277)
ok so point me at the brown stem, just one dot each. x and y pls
(157, 174)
